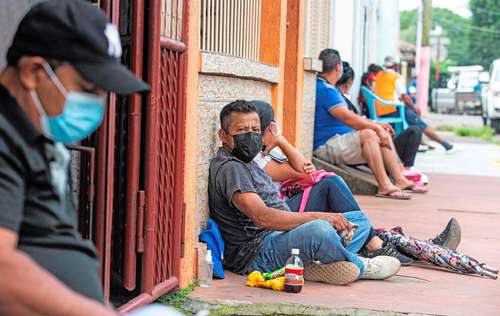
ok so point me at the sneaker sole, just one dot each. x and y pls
(405, 264)
(336, 273)
(455, 235)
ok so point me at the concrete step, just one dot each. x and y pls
(359, 179)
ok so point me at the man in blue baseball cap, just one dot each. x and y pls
(64, 58)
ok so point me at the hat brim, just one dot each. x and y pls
(113, 77)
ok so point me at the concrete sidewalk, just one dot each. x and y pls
(473, 200)
(474, 157)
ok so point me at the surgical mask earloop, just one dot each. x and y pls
(41, 111)
(53, 77)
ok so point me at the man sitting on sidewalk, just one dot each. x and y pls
(343, 137)
(406, 143)
(257, 226)
(389, 86)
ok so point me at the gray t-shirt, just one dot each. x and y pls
(242, 238)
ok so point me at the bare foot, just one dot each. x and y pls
(404, 183)
(416, 188)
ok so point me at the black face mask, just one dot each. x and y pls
(247, 146)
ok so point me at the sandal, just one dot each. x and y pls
(415, 188)
(395, 194)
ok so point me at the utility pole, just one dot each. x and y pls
(424, 58)
(420, 14)
(436, 66)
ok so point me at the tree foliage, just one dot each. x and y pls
(455, 27)
(485, 31)
(472, 41)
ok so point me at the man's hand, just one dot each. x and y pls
(387, 127)
(309, 167)
(385, 138)
(338, 221)
(417, 110)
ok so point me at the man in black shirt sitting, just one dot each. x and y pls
(258, 228)
(64, 57)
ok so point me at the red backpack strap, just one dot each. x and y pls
(305, 198)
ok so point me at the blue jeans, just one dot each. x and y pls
(317, 241)
(330, 195)
(411, 118)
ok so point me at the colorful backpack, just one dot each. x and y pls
(304, 184)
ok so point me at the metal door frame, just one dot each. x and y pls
(155, 42)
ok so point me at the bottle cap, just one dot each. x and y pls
(295, 251)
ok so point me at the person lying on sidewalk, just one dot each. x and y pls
(258, 227)
(406, 143)
(331, 194)
(389, 86)
(343, 137)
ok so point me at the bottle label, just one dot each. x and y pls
(294, 276)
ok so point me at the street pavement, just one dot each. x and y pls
(434, 120)
(466, 186)
(473, 157)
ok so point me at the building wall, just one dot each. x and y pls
(343, 28)
(11, 12)
(317, 33)
(388, 30)
(364, 32)
(308, 109)
(187, 265)
(317, 16)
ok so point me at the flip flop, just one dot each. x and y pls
(415, 188)
(390, 195)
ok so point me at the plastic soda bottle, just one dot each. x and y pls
(294, 273)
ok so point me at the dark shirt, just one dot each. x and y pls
(242, 238)
(350, 105)
(36, 202)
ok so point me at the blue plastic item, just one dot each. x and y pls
(212, 237)
(399, 123)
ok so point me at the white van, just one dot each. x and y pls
(491, 110)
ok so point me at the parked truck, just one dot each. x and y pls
(491, 98)
(462, 95)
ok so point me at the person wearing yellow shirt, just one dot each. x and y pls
(389, 85)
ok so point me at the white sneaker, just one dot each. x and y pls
(422, 148)
(380, 268)
(424, 179)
